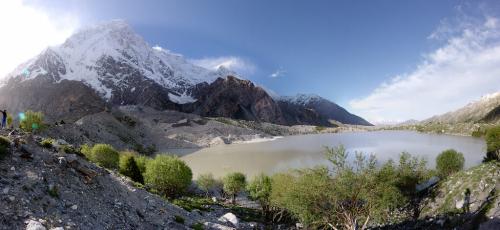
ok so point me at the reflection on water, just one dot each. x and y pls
(308, 151)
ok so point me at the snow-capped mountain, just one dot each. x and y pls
(106, 55)
(110, 65)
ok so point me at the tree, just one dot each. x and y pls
(493, 143)
(449, 162)
(206, 182)
(260, 190)
(345, 195)
(168, 175)
(233, 184)
(128, 167)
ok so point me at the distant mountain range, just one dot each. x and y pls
(110, 65)
(486, 109)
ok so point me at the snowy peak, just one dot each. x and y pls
(110, 55)
(301, 99)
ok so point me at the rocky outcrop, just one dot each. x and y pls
(234, 98)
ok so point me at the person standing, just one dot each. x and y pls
(4, 119)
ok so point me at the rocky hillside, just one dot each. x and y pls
(486, 109)
(46, 188)
(304, 109)
(109, 65)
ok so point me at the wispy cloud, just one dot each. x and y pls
(278, 73)
(463, 69)
(238, 64)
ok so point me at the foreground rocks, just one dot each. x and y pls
(54, 190)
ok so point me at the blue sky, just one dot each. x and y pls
(346, 51)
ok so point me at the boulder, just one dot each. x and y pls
(35, 225)
(229, 217)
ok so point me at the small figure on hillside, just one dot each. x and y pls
(4, 118)
(467, 201)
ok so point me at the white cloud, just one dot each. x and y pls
(463, 69)
(26, 31)
(237, 64)
(278, 73)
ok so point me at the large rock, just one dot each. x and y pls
(231, 218)
(35, 225)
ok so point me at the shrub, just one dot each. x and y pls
(103, 155)
(128, 167)
(260, 190)
(449, 162)
(47, 142)
(179, 219)
(206, 182)
(68, 149)
(168, 174)
(197, 226)
(493, 143)
(4, 146)
(10, 119)
(141, 162)
(233, 184)
(31, 121)
(86, 150)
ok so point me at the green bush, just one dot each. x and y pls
(260, 190)
(31, 121)
(449, 162)
(4, 146)
(10, 119)
(103, 155)
(493, 143)
(179, 219)
(206, 182)
(47, 142)
(197, 226)
(141, 161)
(128, 167)
(233, 184)
(168, 175)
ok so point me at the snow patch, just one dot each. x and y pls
(181, 99)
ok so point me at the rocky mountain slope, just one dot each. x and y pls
(486, 109)
(304, 108)
(110, 65)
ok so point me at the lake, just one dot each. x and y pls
(304, 151)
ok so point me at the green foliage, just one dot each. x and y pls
(141, 162)
(168, 174)
(53, 192)
(206, 182)
(68, 149)
(31, 121)
(191, 203)
(103, 155)
(128, 167)
(197, 226)
(348, 194)
(10, 119)
(4, 146)
(449, 162)
(493, 143)
(233, 184)
(179, 219)
(260, 190)
(47, 142)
